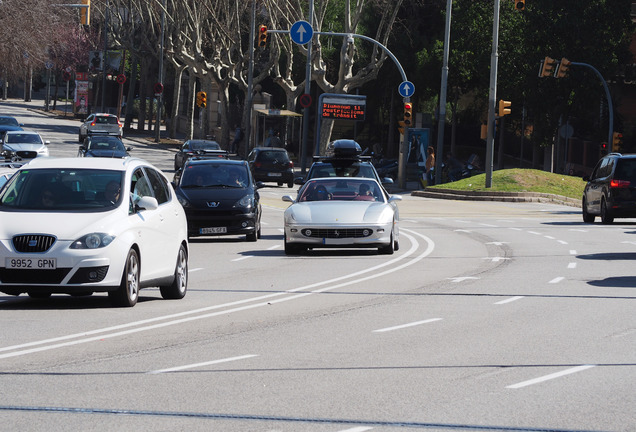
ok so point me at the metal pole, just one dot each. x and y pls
(250, 83)
(160, 96)
(105, 56)
(492, 98)
(306, 111)
(442, 94)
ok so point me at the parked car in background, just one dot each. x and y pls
(103, 146)
(100, 124)
(220, 197)
(341, 212)
(82, 225)
(6, 171)
(23, 145)
(198, 147)
(270, 164)
(610, 191)
(9, 123)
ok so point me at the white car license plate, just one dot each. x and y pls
(274, 174)
(31, 263)
(214, 230)
(335, 241)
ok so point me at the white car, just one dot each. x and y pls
(23, 145)
(83, 225)
(336, 212)
(100, 124)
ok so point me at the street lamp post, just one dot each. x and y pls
(160, 95)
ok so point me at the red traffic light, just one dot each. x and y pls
(262, 36)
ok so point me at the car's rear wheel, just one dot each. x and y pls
(80, 138)
(290, 184)
(128, 292)
(177, 289)
(587, 218)
(606, 216)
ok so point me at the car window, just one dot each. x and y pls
(23, 138)
(626, 170)
(139, 186)
(159, 185)
(341, 190)
(8, 121)
(59, 189)
(270, 156)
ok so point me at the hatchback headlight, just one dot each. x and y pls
(184, 202)
(93, 241)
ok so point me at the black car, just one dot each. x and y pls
(103, 146)
(271, 164)
(8, 123)
(198, 147)
(343, 159)
(610, 191)
(220, 197)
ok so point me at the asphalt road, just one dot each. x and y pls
(491, 316)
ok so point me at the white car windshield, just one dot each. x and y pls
(12, 138)
(62, 189)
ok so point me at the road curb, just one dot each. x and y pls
(496, 196)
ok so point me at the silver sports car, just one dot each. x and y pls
(342, 212)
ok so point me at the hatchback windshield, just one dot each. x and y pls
(62, 189)
(22, 138)
(214, 175)
(626, 170)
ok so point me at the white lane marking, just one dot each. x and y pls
(273, 247)
(509, 300)
(195, 269)
(551, 376)
(629, 242)
(496, 243)
(549, 237)
(563, 242)
(572, 265)
(556, 280)
(461, 230)
(489, 225)
(357, 429)
(578, 229)
(515, 229)
(534, 232)
(196, 365)
(496, 259)
(461, 278)
(242, 258)
(572, 252)
(370, 272)
(406, 325)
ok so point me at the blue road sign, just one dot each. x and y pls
(301, 32)
(406, 89)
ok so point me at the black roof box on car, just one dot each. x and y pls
(343, 148)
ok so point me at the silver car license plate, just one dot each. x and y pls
(31, 263)
(213, 230)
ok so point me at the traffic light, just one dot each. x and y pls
(484, 131)
(547, 67)
(520, 5)
(262, 36)
(563, 67)
(401, 127)
(204, 99)
(85, 12)
(617, 141)
(603, 148)
(408, 114)
(504, 107)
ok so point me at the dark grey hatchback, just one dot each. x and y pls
(610, 191)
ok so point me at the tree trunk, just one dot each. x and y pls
(130, 99)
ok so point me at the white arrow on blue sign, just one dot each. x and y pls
(301, 32)
(406, 89)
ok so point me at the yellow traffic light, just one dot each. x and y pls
(199, 99)
(563, 67)
(617, 141)
(204, 99)
(262, 36)
(520, 5)
(401, 127)
(408, 114)
(85, 12)
(547, 68)
(483, 133)
(504, 108)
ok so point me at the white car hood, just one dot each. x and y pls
(345, 212)
(63, 225)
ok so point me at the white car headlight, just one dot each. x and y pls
(93, 241)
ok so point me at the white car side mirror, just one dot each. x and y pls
(148, 203)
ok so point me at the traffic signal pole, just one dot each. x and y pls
(442, 96)
(492, 97)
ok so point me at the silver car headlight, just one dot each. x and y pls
(93, 241)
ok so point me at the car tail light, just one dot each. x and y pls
(257, 164)
(291, 164)
(93, 124)
(619, 183)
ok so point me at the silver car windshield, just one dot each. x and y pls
(62, 189)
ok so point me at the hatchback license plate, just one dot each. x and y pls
(214, 230)
(275, 174)
(31, 263)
